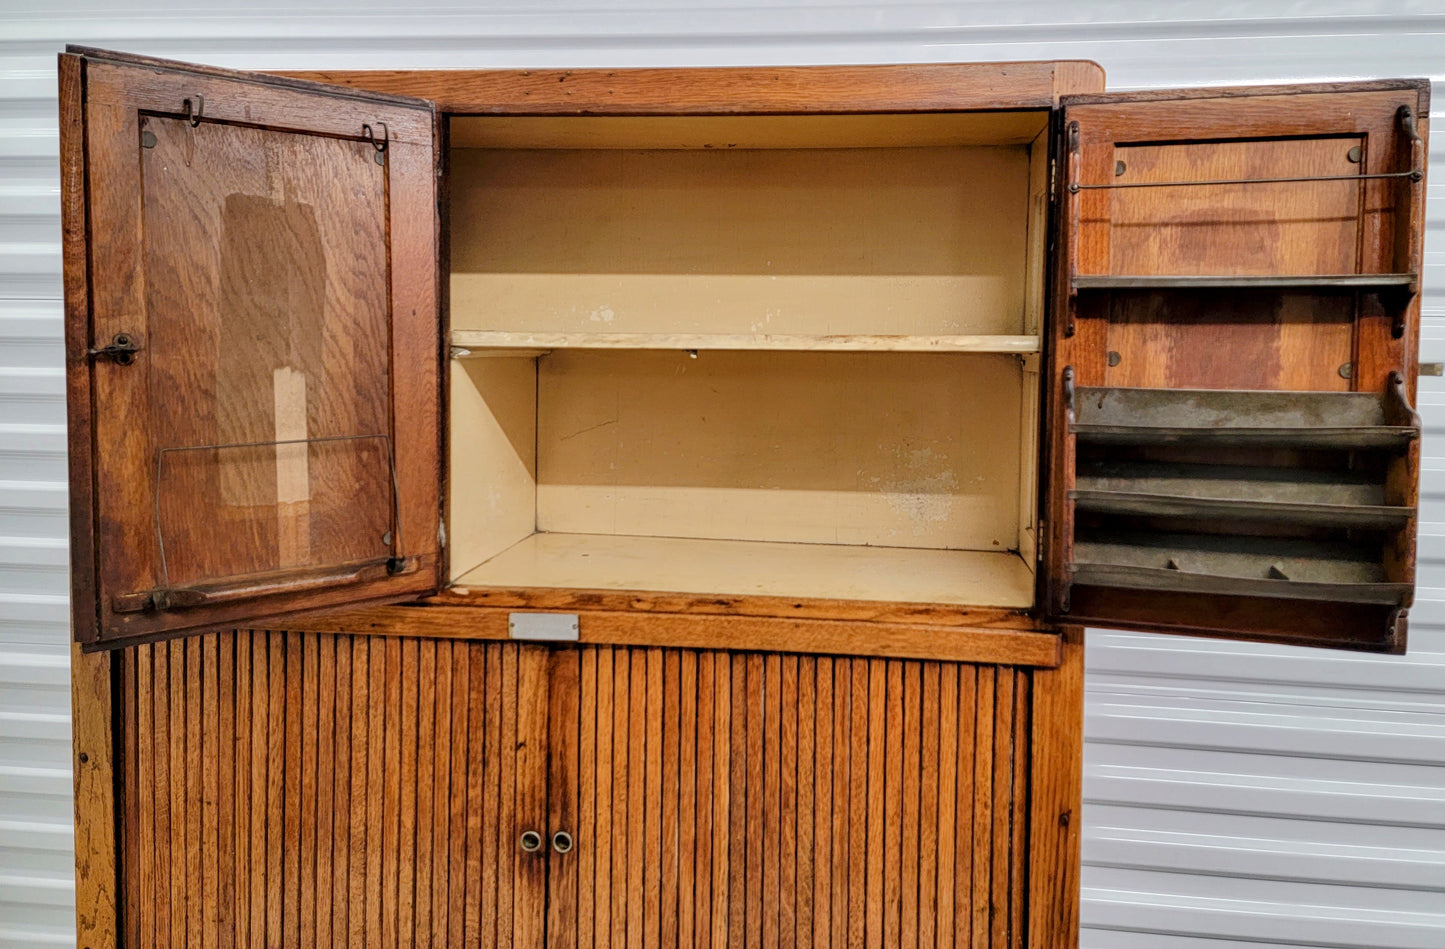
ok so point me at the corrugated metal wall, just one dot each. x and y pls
(1236, 795)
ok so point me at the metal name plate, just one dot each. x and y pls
(549, 627)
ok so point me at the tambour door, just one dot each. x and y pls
(1232, 444)
(302, 789)
(764, 799)
(251, 296)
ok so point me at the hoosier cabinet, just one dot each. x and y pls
(660, 507)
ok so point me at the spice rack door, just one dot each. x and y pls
(1233, 448)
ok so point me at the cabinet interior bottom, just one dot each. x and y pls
(759, 568)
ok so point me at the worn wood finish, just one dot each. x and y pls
(1282, 338)
(928, 87)
(724, 817)
(297, 171)
(98, 766)
(1055, 824)
(75, 247)
(1282, 229)
(672, 132)
(345, 752)
(542, 598)
(735, 769)
(713, 798)
(1020, 647)
(1228, 339)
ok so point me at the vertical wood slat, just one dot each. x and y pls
(420, 932)
(292, 789)
(617, 881)
(687, 769)
(462, 689)
(326, 714)
(478, 826)
(601, 815)
(160, 855)
(905, 783)
(308, 650)
(241, 693)
(586, 831)
(176, 807)
(283, 789)
(340, 789)
(669, 719)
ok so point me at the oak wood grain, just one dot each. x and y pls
(1004, 646)
(761, 722)
(80, 412)
(927, 87)
(246, 825)
(95, 765)
(547, 598)
(1056, 711)
(1305, 340)
(256, 135)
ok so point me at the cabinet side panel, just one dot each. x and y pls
(95, 805)
(75, 230)
(1056, 796)
(493, 460)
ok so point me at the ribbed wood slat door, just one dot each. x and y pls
(777, 801)
(285, 789)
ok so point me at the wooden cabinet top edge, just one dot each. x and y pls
(341, 90)
(738, 90)
(1421, 86)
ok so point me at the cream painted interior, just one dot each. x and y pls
(805, 366)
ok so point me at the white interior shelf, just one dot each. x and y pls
(466, 343)
(780, 356)
(759, 568)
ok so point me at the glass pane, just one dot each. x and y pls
(255, 508)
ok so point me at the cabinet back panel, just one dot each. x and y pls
(927, 241)
(865, 130)
(1213, 339)
(887, 449)
(1279, 229)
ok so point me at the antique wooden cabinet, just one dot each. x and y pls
(660, 507)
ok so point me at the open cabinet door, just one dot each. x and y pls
(252, 345)
(1232, 448)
